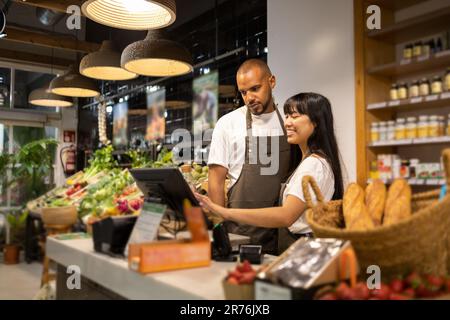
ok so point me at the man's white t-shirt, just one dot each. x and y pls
(228, 140)
(321, 171)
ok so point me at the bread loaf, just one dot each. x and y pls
(398, 202)
(356, 215)
(375, 200)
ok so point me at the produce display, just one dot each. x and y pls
(414, 286)
(242, 274)
(196, 175)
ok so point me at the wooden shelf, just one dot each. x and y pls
(409, 142)
(437, 61)
(414, 28)
(432, 101)
(395, 4)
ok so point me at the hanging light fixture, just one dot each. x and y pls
(73, 84)
(156, 57)
(131, 14)
(45, 98)
(105, 64)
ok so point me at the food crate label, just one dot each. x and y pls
(267, 291)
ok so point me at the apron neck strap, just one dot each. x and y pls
(249, 121)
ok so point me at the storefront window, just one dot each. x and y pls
(5, 79)
(24, 83)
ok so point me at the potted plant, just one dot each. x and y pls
(15, 236)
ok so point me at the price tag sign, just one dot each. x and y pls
(416, 100)
(394, 103)
(147, 224)
(377, 105)
(434, 97)
(423, 58)
(445, 95)
(405, 61)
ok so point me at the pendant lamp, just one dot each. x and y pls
(105, 64)
(45, 98)
(131, 14)
(73, 84)
(156, 57)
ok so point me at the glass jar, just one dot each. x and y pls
(402, 91)
(391, 130)
(448, 125)
(393, 93)
(417, 49)
(400, 129)
(424, 88)
(408, 52)
(404, 169)
(422, 127)
(447, 80)
(413, 163)
(374, 132)
(411, 128)
(414, 89)
(374, 173)
(383, 131)
(426, 49)
(441, 126)
(436, 85)
(433, 126)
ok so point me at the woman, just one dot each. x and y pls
(309, 124)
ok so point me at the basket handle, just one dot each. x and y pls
(309, 181)
(446, 160)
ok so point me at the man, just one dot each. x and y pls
(233, 154)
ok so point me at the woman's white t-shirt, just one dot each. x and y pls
(321, 171)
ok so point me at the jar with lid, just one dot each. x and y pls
(447, 80)
(424, 88)
(448, 125)
(433, 126)
(441, 120)
(404, 169)
(374, 173)
(393, 93)
(413, 164)
(400, 129)
(374, 132)
(383, 131)
(411, 128)
(426, 49)
(422, 127)
(436, 85)
(417, 49)
(408, 51)
(402, 91)
(391, 130)
(414, 89)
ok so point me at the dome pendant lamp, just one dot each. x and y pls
(45, 98)
(104, 64)
(131, 14)
(156, 57)
(73, 84)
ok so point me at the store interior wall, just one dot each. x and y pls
(311, 48)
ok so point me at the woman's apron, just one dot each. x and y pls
(254, 190)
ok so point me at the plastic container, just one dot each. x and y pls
(400, 129)
(408, 52)
(433, 127)
(413, 163)
(414, 89)
(374, 132)
(391, 130)
(411, 128)
(383, 131)
(393, 93)
(422, 127)
(402, 91)
(417, 49)
(424, 88)
(436, 85)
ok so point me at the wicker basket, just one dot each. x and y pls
(61, 216)
(419, 243)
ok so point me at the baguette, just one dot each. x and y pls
(375, 201)
(398, 202)
(356, 216)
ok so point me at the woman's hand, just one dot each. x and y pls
(207, 204)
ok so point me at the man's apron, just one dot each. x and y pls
(254, 190)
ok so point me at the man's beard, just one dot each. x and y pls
(264, 108)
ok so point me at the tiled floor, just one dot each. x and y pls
(20, 281)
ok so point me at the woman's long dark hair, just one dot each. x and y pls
(322, 141)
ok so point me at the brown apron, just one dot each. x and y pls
(254, 190)
(285, 237)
